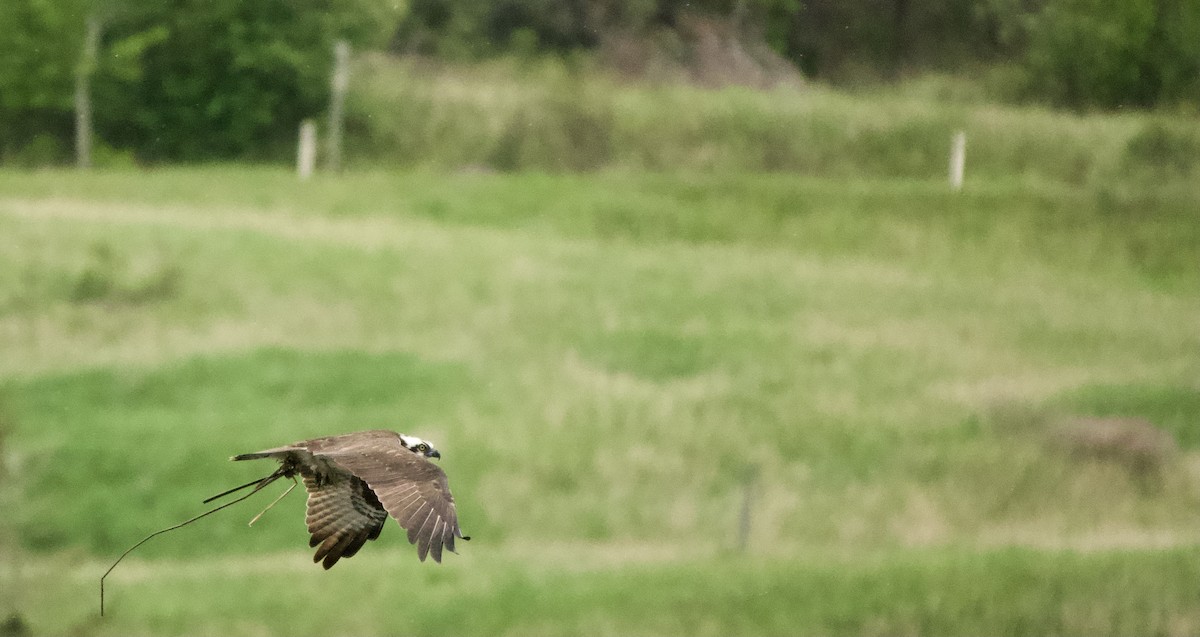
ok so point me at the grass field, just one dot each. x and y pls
(603, 361)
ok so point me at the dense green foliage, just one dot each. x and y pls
(1078, 53)
(219, 79)
(457, 28)
(228, 78)
(190, 80)
(1135, 53)
(39, 47)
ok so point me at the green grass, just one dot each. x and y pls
(1005, 592)
(602, 359)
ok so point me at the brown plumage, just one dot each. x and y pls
(356, 480)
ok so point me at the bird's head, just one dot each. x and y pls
(416, 445)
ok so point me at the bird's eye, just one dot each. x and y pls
(422, 447)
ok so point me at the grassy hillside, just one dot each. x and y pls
(604, 360)
(562, 117)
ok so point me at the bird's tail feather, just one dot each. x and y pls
(278, 453)
(253, 456)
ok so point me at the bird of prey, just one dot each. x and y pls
(354, 481)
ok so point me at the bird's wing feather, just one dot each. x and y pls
(412, 489)
(343, 514)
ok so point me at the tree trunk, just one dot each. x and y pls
(83, 94)
(339, 84)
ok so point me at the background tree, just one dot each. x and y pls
(1137, 53)
(464, 28)
(39, 47)
(229, 78)
(182, 80)
(215, 79)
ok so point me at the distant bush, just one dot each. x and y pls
(228, 79)
(1137, 53)
(1166, 148)
(187, 80)
(558, 130)
(108, 277)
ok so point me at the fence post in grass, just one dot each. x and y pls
(306, 155)
(958, 159)
(337, 101)
(83, 93)
(749, 478)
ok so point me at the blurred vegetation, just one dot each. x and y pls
(908, 593)
(613, 257)
(601, 358)
(1079, 53)
(1136, 53)
(201, 80)
(553, 116)
(191, 80)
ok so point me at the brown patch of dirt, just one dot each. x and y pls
(708, 51)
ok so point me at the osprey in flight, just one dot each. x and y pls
(356, 480)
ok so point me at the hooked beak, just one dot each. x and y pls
(434, 454)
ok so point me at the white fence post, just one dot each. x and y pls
(306, 156)
(958, 159)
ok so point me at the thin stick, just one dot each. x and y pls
(273, 502)
(260, 484)
(233, 490)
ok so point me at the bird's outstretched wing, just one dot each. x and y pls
(411, 488)
(343, 514)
